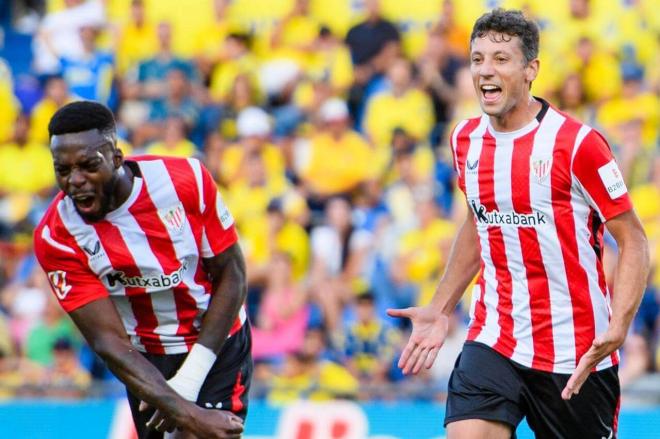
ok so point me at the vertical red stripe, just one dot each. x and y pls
(537, 279)
(146, 214)
(238, 390)
(505, 343)
(615, 421)
(122, 259)
(479, 307)
(187, 189)
(576, 276)
(462, 146)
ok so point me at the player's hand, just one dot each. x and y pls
(216, 424)
(158, 420)
(429, 330)
(602, 347)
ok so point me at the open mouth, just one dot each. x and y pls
(84, 202)
(491, 93)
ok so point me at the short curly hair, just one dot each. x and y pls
(509, 22)
(81, 116)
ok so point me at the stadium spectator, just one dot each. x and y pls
(283, 312)
(9, 105)
(374, 44)
(336, 159)
(56, 94)
(89, 75)
(527, 360)
(174, 143)
(60, 31)
(400, 106)
(205, 343)
(369, 347)
(135, 40)
(340, 256)
(254, 128)
(65, 377)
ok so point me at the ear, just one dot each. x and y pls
(117, 157)
(532, 70)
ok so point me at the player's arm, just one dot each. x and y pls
(431, 322)
(101, 326)
(631, 274)
(227, 273)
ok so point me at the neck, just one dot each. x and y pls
(123, 187)
(517, 117)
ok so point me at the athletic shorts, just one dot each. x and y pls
(487, 385)
(226, 386)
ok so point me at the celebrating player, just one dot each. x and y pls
(545, 329)
(143, 255)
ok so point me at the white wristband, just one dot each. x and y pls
(191, 375)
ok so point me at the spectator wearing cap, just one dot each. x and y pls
(335, 160)
(254, 128)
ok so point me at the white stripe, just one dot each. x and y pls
(490, 330)
(197, 170)
(454, 146)
(45, 234)
(581, 134)
(161, 190)
(146, 263)
(522, 329)
(561, 309)
(84, 234)
(588, 261)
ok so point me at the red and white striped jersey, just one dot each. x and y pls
(540, 196)
(146, 255)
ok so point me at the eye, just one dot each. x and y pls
(62, 170)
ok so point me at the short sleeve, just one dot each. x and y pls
(596, 170)
(219, 232)
(73, 283)
(454, 156)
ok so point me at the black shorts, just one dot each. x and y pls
(226, 386)
(487, 385)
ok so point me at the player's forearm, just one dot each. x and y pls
(630, 281)
(462, 266)
(142, 378)
(230, 291)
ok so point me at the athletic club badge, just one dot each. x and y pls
(173, 217)
(540, 167)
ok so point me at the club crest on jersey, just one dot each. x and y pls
(57, 279)
(540, 167)
(174, 217)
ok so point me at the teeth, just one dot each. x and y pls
(489, 87)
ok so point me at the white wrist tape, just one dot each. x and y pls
(191, 375)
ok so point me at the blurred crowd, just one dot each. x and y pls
(325, 124)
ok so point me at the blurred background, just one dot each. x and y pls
(325, 124)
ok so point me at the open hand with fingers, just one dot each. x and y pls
(429, 330)
(602, 347)
(204, 423)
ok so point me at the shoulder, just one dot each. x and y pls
(463, 129)
(51, 236)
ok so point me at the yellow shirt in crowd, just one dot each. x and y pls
(232, 160)
(412, 111)
(183, 148)
(330, 166)
(27, 169)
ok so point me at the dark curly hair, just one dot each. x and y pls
(512, 23)
(82, 116)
